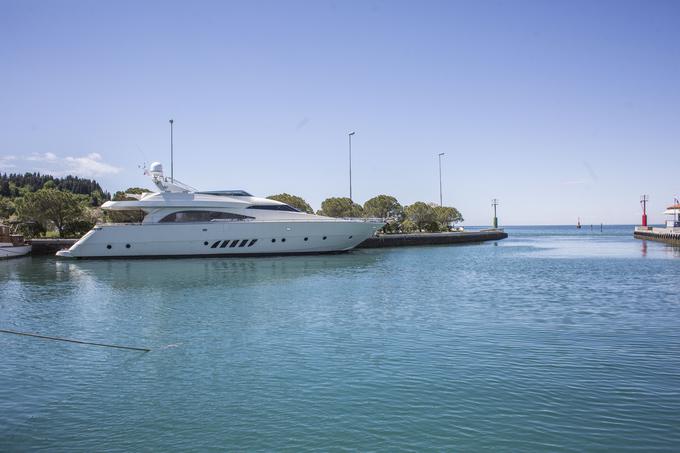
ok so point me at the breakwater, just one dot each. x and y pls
(413, 239)
(667, 235)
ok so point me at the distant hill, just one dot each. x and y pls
(14, 185)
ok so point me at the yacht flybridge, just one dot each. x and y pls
(181, 221)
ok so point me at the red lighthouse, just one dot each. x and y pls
(643, 201)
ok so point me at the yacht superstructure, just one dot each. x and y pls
(181, 221)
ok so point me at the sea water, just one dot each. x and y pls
(554, 339)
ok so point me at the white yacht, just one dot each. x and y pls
(181, 221)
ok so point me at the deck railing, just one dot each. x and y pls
(332, 219)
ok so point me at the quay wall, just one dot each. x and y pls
(412, 239)
(50, 246)
(660, 236)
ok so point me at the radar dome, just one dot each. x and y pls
(156, 169)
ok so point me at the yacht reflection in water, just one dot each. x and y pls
(221, 273)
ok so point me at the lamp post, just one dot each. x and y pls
(350, 164)
(440, 179)
(172, 170)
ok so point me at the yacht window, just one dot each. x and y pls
(274, 207)
(227, 193)
(202, 216)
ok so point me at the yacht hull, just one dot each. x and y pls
(221, 239)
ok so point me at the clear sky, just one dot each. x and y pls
(561, 109)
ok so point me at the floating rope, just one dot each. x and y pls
(74, 341)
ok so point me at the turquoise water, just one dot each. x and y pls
(551, 340)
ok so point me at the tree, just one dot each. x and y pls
(421, 217)
(15, 185)
(7, 208)
(446, 216)
(388, 208)
(340, 207)
(5, 191)
(122, 195)
(53, 207)
(128, 215)
(383, 206)
(292, 200)
(81, 225)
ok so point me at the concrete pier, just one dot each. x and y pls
(50, 246)
(401, 240)
(667, 235)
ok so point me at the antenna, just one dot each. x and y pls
(643, 201)
(494, 203)
(172, 169)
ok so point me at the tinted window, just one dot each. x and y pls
(202, 216)
(274, 207)
(227, 193)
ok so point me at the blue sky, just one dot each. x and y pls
(559, 109)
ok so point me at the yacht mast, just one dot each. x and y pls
(172, 172)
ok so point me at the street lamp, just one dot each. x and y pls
(172, 172)
(440, 179)
(350, 164)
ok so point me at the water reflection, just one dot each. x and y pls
(225, 272)
(659, 248)
(673, 250)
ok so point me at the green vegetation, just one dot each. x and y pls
(294, 201)
(15, 185)
(386, 207)
(123, 195)
(65, 206)
(7, 208)
(127, 216)
(418, 217)
(340, 207)
(50, 208)
(429, 217)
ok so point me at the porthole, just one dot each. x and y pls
(127, 246)
(306, 239)
(325, 237)
(205, 242)
(108, 246)
(283, 240)
(273, 240)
